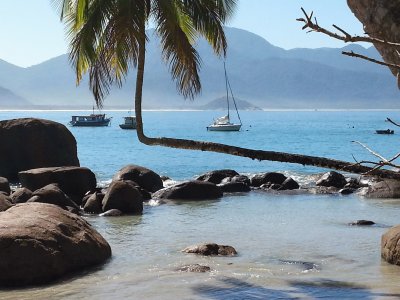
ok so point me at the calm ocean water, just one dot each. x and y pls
(290, 246)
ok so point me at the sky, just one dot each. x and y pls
(31, 32)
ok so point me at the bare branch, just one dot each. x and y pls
(371, 151)
(393, 122)
(353, 54)
(346, 37)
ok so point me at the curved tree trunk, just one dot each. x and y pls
(238, 151)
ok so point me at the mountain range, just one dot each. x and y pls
(260, 73)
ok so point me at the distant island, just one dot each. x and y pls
(220, 104)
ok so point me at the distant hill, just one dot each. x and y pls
(10, 100)
(220, 104)
(265, 75)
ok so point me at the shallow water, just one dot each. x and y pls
(290, 246)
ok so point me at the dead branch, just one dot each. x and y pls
(393, 122)
(353, 54)
(345, 37)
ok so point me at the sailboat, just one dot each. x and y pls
(224, 123)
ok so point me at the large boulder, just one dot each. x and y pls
(217, 176)
(388, 188)
(234, 187)
(190, 190)
(267, 178)
(52, 194)
(147, 179)
(4, 185)
(34, 143)
(74, 181)
(124, 196)
(93, 204)
(332, 179)
(5, 202)
(390, 245)
(41, 242)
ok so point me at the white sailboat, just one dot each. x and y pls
(224, 123)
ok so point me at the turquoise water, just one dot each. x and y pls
(290, 246)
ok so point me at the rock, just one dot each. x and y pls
(21, 195)
(234, 187)
(241, 178)
(123, 196)
(390, 245)
(74, 181)
(43, 242)
(4, 185)
(196, 268)
(211, 249)
(346, 191)
(388, 188)
(52, 194)
(289, 184)
(217, 176)
(165, 178)
(35, 143)
(190, 190)
(147, 179)
(111, 213)
(93, 204)
(352, 183)
(362, 223)
(270, 177)
(5, 202)
(332, 178)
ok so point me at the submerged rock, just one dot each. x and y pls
(196, 268)
(190, 190)
(112, 213)
(42, 242)
(362, 223)
(211, 249)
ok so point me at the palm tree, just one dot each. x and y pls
(107, 37)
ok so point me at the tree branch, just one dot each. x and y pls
(353, 54)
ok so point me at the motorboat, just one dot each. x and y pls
(387, 131)
(129, 123)
(224, 123)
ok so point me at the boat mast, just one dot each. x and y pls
(226, 87)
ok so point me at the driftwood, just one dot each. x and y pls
(393, 122)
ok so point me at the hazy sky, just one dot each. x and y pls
(30, 31)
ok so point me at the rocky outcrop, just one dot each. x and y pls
(332, 179)
(390, 245)
(146, 178)
(211, 249)
(21, 195)
(74, 181)
(217, 176)
(381, 20)
(190, 190)
(267, 178)
(123, 196)
(35, 143)
(383, 189)
(42, 242)
(52, 194)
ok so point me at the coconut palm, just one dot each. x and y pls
(108, 37)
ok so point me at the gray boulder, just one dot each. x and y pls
(52, 194)
(289, 184)
(217, 176)
(211, 249)
(74, 181)
(388, 188)
(35, 143)
(147, 179)
(190, 190)
(123, 196)
(41, 243)
(332, 179)
(21, 195)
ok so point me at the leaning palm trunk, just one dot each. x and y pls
(238, 151)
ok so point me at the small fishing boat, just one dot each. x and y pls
(387, 131)
(224, 123)
(129, 123)
(92, 120)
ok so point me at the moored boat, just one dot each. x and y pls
(129, 123)
(387, 131)
(92, 120)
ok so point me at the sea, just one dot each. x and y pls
(290, 245)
